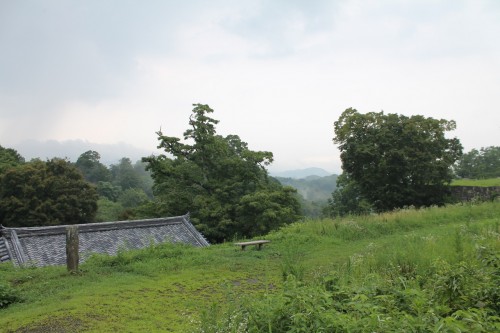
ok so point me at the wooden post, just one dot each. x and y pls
(72, 243)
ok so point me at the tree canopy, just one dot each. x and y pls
(220, 181)
(124, 174)
(123, 187)
(479, 164)
(46, 193)
(395, 161)
(91, 167)
(9, 158)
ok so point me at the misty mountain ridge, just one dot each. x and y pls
(307, 173)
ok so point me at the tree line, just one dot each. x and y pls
(479, 164)
(56, 191)
(389, 161)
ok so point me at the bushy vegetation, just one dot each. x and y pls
(406, 288)
(7, 295)
(9, 158)
(479, 164)
(434, 269)
(41, 193)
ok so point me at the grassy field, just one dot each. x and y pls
(476, 182)
(370, 265)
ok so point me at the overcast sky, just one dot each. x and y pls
(278, 73)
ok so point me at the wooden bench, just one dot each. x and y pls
(257, 243)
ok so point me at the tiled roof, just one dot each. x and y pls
(4, 254)
(42, 246)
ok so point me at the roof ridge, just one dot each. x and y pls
(198, 235)
(94, 227)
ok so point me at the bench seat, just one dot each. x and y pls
(257, 243)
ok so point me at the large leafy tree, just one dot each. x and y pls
(220, 181)
(395, 160)
(46, 193)
(479, 164)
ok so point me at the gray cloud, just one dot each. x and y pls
(77, 49)
(277, 26)
(117, 70)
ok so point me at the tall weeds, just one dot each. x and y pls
(445, 278)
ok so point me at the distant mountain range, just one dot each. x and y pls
(302, 173)
(312, 188)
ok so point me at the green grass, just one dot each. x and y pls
(175, 288)
(476, 182)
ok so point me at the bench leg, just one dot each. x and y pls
(243, 247)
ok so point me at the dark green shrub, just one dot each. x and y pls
(7, 296)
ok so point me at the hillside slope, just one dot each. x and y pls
(174, 288)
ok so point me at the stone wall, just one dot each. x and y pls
(468, 193)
